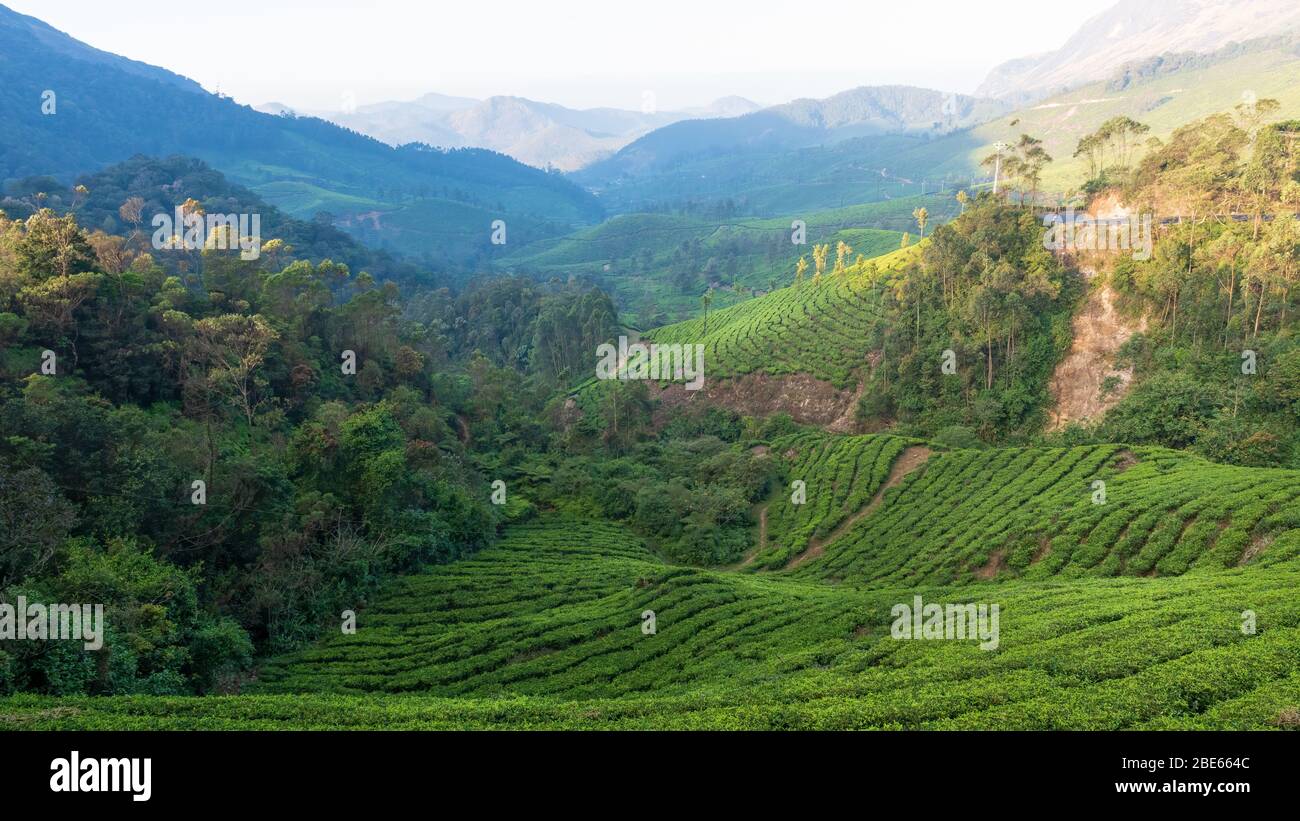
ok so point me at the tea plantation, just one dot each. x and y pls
(1169, 602)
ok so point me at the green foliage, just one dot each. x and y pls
(1035, 513)
(788, 330)
(316, 483)
(840, 475)
(689, 493)
(982, 287)
(544, 631)
(657, 265)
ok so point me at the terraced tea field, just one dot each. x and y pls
(1171, 605)
(824, 329)
(839, 476)
(1039, 513)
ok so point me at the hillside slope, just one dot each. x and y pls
(1036, 513)
(1136, 29)
(819, 327)
(657, 266)
(1164, 93)
(1088, 382)
(546, 630)
(859, 112)
(108, 110)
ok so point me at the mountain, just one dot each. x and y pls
(863, 145)
(414, 110)
(860, 112)
(1136, 29)
(412, 199)
(276, 109)
(1164, 92)
(544, 135)
(19, 31)
(730, 106)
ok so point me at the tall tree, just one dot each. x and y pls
(922, 216)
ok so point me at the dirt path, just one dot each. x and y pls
(907, 463)
(1099, 331)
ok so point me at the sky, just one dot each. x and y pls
(325, 55)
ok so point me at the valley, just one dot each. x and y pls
(342, 416)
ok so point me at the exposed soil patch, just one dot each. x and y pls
(808, 400)
(1126, 460)
(1257, 546)
(1099, 331)
(1044, 550)
(847, 421)
(1288, 719)
(995, 565)
(908, 462)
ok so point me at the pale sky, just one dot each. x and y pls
(315, 54)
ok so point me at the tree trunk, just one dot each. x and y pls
(1259, 309)
(1232, 292)
(988, 380)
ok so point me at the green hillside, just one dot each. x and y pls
(544, 630)
(1036, 513)
(109, 110)
(822, 327)
(1164, 93)
(385, 473)
(657, 266)
(767, 181)
(841, 477)
(981, 292)
(1163, 97)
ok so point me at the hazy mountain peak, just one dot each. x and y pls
(729, 106)
(444, 102)
(1134, 29)
(538, 133)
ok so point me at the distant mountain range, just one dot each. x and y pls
(544, 135)
(861, 112)
(428, 177)
(1137, 29)
(68, 109)
(804, 155)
